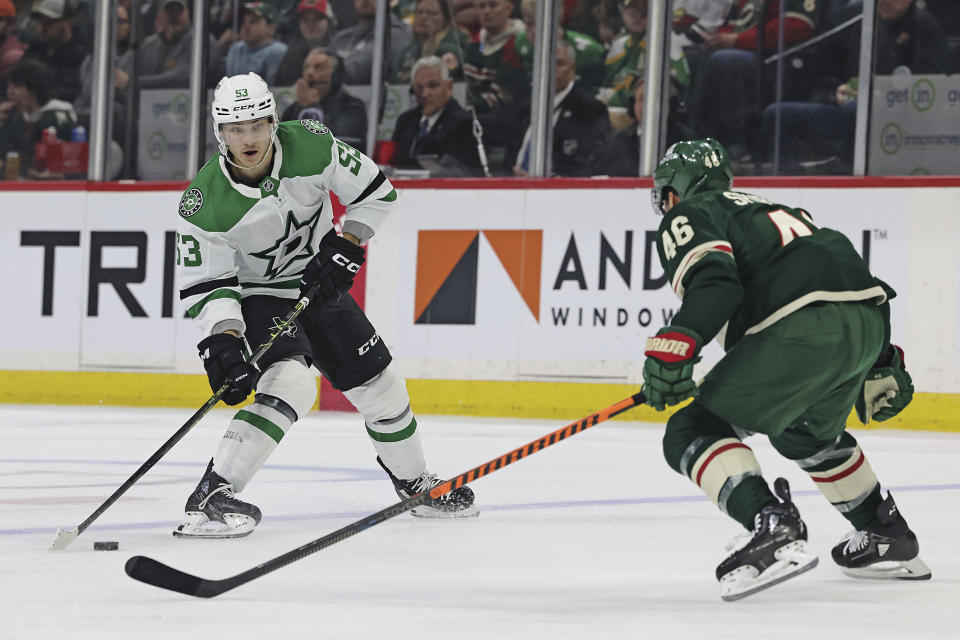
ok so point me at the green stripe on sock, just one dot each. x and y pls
(396, 436)
(261, 423)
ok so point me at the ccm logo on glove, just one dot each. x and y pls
(341, 260)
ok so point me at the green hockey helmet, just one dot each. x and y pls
(689, 167)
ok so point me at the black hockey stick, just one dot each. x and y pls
(160, 575)
(65, 537)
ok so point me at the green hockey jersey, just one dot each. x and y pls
(234, 240)
(740, 263)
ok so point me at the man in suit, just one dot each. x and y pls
(437, 126)
(581, 125)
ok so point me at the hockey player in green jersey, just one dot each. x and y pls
(256, 231)
(806, 331)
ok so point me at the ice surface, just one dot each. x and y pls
(593, 538)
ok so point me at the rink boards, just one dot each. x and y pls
(529, 298)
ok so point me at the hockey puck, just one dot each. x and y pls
(106, 545)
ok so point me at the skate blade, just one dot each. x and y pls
(793, 560)
(915, 569)
(437, 514)
(199, 526)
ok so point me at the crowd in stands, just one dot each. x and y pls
(722, 66)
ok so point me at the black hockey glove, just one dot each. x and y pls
(888, 388)
(222, 356)
(332, 269)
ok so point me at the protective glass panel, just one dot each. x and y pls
(774, 81)
(913, 114)
(45, 66)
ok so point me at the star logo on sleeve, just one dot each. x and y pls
(294, 245)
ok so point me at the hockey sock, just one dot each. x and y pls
(392, 428)
(704, 447)
(250, 438)
(727, 471)
(845, 478)
(397, 442)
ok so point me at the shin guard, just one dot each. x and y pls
(390, 423)
(286, 391)
(844, 476)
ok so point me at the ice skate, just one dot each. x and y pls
(455, 504)
(774, 552)
(213, 511)
(888, 552)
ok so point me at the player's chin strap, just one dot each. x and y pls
(225, 152)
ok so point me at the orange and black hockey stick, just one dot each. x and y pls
(158, 574)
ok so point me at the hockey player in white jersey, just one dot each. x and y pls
(255, 230)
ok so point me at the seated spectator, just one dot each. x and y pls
(404, 9)
(163, 61)
(581, 126)
(355, 45)
(343, 14)
(908, 39)
(256, 51)
(29, 110)
(56, 47)
(220, 23)
(597, 19)
(11, 49)
(724, 98)
(121, 77)
(466, 17)
(497, 84)
(433, 35)
(696, 20)
(314, 30)
(626, 58)
(321, 96)
(621, 157)
(437, 126)
(590, 54)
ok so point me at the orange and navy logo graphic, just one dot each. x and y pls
(447, 261)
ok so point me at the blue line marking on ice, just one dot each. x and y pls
(502, 507)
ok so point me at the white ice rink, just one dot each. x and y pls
(593, 538)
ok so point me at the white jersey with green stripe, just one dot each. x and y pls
(234, 240)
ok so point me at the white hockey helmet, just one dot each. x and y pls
(240, 98)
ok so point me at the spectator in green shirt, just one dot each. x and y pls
(30, 108)
(590, 53)
(433, 35)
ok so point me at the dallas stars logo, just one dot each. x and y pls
(267, 185)
(314, 127)
(191, 202)
(290, 331)
(293, 245)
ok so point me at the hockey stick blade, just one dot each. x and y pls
(63, 537)
(156, 573)
(153, 572)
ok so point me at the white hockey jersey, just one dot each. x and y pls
(235, 241)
